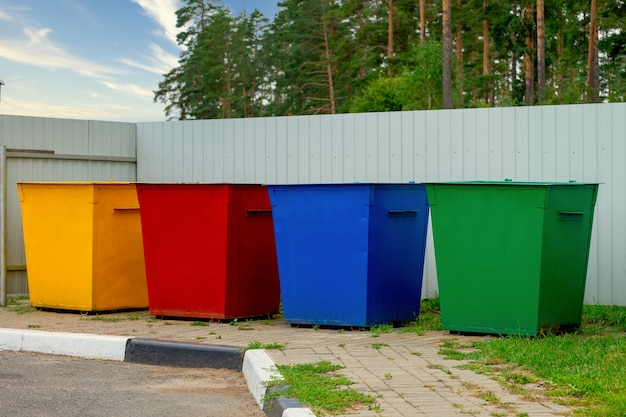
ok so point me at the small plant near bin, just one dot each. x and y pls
(255, 344)
(19, 304)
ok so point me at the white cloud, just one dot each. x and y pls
(84, 112)
(163, 12)
(160, 62)
(18, 107)
(39, 50)
(5, 16)
(130, 89)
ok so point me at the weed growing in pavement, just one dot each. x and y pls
(377, 346)
(248, 325)
(19, 304)
(429, 318)
(108, 319)
(199, 323)
(255, 344)
(379, 329)
(319, 387)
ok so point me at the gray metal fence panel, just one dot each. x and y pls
(75, 150)
(542, 143)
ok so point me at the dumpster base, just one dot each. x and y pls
(91, 312)
(557, 329)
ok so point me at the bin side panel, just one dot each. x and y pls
(488, 253)
(321, 243)
(184, 237)
(119, 270)
(252, 287)
(567, 236)
(58, 232)
(397, 243)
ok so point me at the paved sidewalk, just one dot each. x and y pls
(402, 370)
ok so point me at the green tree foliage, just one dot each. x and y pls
(332, 56)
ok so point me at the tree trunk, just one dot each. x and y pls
(486, 69)
(422, 20)
(559, 58)
(329, 67)
(529, 75)
(541, 52)
(390, 37)
(362, 68)
(593, 74)
(447, 53)
(514, 55)
(459, 63)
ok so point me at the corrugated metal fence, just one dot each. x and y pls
(43, 149)
(586, 143)
(548, 143)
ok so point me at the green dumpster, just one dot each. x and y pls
(511, 256)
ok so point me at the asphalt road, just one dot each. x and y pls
(58, 386)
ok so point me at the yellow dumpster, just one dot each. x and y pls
(84, 248)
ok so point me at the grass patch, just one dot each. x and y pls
(255, 344)
(377, 346)
(584, 370)
(110, 319)
(379, 329)
(19, 304)
(319, 387)
(429, 318)
(199, 323)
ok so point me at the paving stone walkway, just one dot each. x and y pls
(403, 371)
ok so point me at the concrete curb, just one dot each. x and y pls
(258, 370)
(187, 355)
(257, 367)
(70, 344)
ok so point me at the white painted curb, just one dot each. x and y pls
(70, 344)
(298, 412)
(258, 369)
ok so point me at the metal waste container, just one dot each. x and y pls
(511, 256)
(83, 245)
(350, 254)
(209, 250)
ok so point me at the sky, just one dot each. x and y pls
(91, 59)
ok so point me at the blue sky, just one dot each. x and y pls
(91, 59)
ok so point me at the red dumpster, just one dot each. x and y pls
(209, 250)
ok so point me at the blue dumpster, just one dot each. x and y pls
(350, 254)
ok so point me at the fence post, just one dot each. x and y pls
(3, 225)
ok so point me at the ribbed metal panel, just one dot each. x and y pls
(543, 143)
(80, 138)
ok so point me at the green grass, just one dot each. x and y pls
(319, 387)
(379, 329)
(584, 370)
(255, 344)
(19, 304)
(429, 318)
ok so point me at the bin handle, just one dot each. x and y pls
(258, 212)
(572, 216)
(402, 213)
(125, 210)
